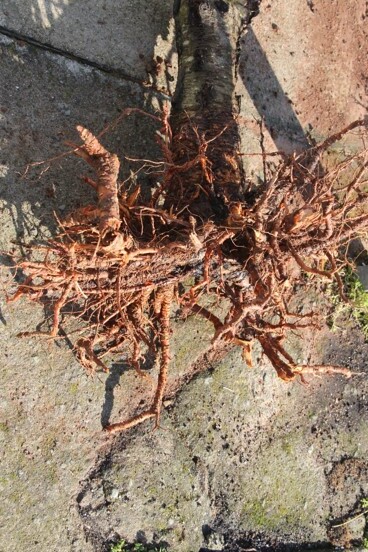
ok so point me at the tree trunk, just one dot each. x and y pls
(205, 108)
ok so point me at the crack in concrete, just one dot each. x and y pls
(15, 35)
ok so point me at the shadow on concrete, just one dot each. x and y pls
(238, 542)
(117, 34)
(44, 94)
(112, 381)
(41, 105)
(272, 103)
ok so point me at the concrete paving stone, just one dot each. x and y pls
(301, 76)
(50, 412)
(241, 454)
(122, 34)
(43, 97)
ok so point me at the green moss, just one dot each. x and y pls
(266, 517)
(280, 490)
(48, 444)
(9, 478)
(73, 388)
(52, 473)
(287, 447)
(4, 427)
(257, 514)
(271, 514)
(358, 301)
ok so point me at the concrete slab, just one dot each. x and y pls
(241, 454)
(302, 75)
(50, 412)
(43, 97)
(121, 34)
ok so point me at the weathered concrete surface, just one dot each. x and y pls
(114, 33)
(260, 456)
(50, 412)
(43, 97)
(243, 454)
(302, 74)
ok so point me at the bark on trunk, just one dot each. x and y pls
(205, 108)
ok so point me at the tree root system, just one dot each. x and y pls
(120, 265)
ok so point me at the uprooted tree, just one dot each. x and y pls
(120, 265)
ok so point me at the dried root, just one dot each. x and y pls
(162, 304)
(116, 266)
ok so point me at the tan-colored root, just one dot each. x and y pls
(107, 167)
(162, 305)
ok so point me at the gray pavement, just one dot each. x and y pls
(50, 412)
(113, 33)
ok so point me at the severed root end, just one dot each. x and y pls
(107, 167)
(324, 369)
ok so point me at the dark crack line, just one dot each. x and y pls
(81, 60)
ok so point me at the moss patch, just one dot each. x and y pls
(282, 491)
